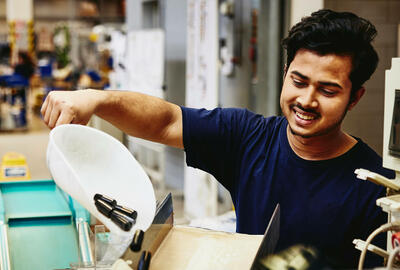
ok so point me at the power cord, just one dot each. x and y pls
(384, 228)
(391, 258)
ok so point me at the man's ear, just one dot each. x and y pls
(355, 98)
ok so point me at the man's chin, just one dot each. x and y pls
(301, 134)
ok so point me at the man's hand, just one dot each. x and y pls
(65, 107)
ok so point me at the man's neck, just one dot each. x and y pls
(322, 147)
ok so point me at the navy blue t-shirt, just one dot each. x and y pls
(323, 204)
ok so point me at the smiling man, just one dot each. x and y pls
(315, 102)
(303, 160)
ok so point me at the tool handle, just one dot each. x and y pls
(127, 211)
(104, 208)
(121, 220)
(105, 199)
(137, 240)
(144, 262)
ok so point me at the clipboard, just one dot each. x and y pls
(270, 239)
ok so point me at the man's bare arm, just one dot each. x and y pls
(136, 114)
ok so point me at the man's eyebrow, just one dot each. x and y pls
(331, 84)
(304, 77)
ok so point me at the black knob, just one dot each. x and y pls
(127, 211)
(105, 199)
(137, 240)
(104, 208)
(144, 261)
(121, 220)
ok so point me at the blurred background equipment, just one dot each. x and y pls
(14, 167)
(62, 45)
(391, 152)
(13, 102)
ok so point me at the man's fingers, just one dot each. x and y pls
(64, 118)
(44, 106)
(64, 107)
(47, 114)
(55, 112)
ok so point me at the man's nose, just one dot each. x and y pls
(308, 98)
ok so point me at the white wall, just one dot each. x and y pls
(301, 8)
(19, 10)
(366, 119)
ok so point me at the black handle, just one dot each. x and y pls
(104, 208)
(137, 240)
(144, 262)
(127, 211)
(105, 199)
(121, 220)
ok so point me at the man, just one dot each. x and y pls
(304, 160)
(25, 66)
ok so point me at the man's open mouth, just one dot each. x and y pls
(305, 116)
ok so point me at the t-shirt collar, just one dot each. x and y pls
(287, 149)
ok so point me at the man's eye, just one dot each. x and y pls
(299, 83)
(327, 92)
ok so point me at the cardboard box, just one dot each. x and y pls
(191, 248)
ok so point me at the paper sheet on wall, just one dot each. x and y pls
(202, 54)
(201, 189)
(118, 77)
(145, 61)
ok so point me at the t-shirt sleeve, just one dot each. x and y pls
(213, 140)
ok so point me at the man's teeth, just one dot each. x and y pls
(304, 117)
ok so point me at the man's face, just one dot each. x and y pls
(316, 93)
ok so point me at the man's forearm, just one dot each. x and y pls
(142, 116)
(137, 114)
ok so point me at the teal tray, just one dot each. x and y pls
(41, 229)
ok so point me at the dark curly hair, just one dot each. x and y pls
(342, 33)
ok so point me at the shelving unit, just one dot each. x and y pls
(13, 105)
(108, 11)
(48, 11)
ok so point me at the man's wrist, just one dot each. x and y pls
(103, 100)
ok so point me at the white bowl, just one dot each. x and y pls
(84, 161)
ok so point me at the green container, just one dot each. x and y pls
(41, 230)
